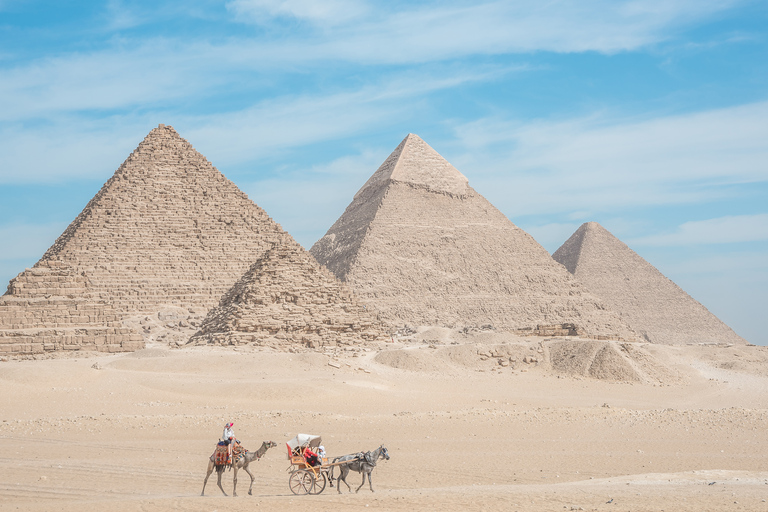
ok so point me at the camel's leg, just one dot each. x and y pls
(250, 489)
(219, 473)
(210, 470)
(234, 482)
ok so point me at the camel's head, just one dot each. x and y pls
(271, 444)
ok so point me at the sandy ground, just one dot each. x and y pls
(134, 431)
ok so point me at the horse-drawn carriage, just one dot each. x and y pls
(306, 477)
(311, 471)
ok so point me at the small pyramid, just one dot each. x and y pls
(167, 230)
(286, 299)
(655, 307)
(423, 248)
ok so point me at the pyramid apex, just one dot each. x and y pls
(415, 162)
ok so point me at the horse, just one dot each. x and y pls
(362, 463)
(241, 463)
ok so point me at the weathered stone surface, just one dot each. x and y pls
(51, 307)
(166, 230)
(420, 245)
(655, 307)
(287, 298)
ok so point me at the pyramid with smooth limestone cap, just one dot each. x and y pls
(655, 307)
(167, 230)
(419, 244)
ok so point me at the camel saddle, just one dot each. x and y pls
(238, 452)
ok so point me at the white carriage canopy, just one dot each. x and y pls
(304, 440)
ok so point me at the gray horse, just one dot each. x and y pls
(242, 463)
(360, 462)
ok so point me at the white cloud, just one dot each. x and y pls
(120, 17)
(325, 11)
(69, 146)
(449, 30)
(149, 72)
(147, 76)
(722, 230)
(607, 163)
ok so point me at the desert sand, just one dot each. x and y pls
(92, 431)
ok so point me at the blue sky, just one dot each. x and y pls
(650, 117)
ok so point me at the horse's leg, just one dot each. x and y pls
(362, 470)
(370, 482)
(219, 472)
(343, 472)
(250, 489)
(210, 470)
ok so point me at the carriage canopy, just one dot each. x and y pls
(304, 440)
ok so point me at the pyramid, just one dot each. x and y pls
(166, 230)
(423, 248)
(286, 299)
(655, 307)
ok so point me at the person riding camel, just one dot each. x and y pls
(228, 436)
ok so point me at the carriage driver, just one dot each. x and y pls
(228, 436)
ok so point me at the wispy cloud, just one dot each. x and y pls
(722, 230)
(331, 12)
(119, 16)
(394, 33)
(602, 162)
(71, 146)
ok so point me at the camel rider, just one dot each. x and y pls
(228, 436)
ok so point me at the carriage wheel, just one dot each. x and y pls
(300, 482)
(320, 482)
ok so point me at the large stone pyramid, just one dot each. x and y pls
(287, 299)
(655, 307)
(420, 245)
(166, 230)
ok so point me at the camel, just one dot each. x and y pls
(360, 462)
(242, 463)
